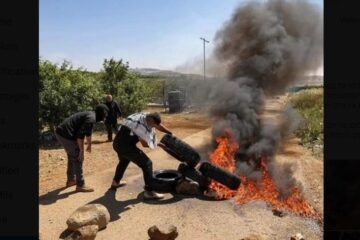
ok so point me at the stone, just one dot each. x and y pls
(185, 186)
(278, 213)
(297, 236)
(210, 193)
(90, 214)
(87, 232)
(156, 234)
(253, 237)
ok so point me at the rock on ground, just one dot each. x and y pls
(297, 236)
(253, 237)
(90, 214)
(84, 233)
(156, 234)
(88, 232)
(185, 186)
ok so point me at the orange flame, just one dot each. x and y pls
(249, 190)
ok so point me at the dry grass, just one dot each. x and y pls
(310, 104)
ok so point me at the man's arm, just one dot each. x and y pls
(88, 141)
(163, 129)
(143, 142)
(117, 109)
(84, 131)
(80, 143)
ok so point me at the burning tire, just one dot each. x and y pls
(165, 180)
(220, 175)
(194, 175)
(241, 154)
(180, 150)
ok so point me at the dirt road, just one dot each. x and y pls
(195, 218)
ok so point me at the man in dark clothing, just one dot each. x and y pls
(111, 119)
(71, 133)
(137, 127)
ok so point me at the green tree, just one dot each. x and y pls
(64, 91)
(113, 73)
(133, 94)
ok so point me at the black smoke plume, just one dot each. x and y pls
(263, 49)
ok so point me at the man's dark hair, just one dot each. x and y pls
(156, 117)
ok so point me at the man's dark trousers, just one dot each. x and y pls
(74, 166)
(130, 153)
(109, 128)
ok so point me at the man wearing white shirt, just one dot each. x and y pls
(137, 127)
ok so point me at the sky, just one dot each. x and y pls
(160, 34)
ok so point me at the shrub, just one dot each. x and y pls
(133, 95)
(63, 92)
(113, 73)
(309, 103)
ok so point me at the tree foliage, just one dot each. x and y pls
(113, 73)
(64, 91)
(133, 94)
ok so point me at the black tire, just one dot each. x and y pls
(194, 175)
(241, 154)
(181, 150)
(165, 180)
(220, 175)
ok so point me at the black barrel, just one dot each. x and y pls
(176, 101)
(220, 175)
(180, 150)
(194, 175)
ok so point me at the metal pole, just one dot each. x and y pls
(204, 40)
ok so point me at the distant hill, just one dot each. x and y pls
(152, 72)
(313, 80)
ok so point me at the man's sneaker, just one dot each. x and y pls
(70, 183)
(84, 189)
(152, 195)
(115, 185)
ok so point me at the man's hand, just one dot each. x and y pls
(88, 149)
(163, 129)
(81, 156)
(161, 145)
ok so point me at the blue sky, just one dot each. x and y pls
(147, 33)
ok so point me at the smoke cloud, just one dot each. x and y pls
(263, 49)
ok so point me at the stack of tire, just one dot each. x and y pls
(190, 168)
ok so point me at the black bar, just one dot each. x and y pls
(342, 123)
(19, 26)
